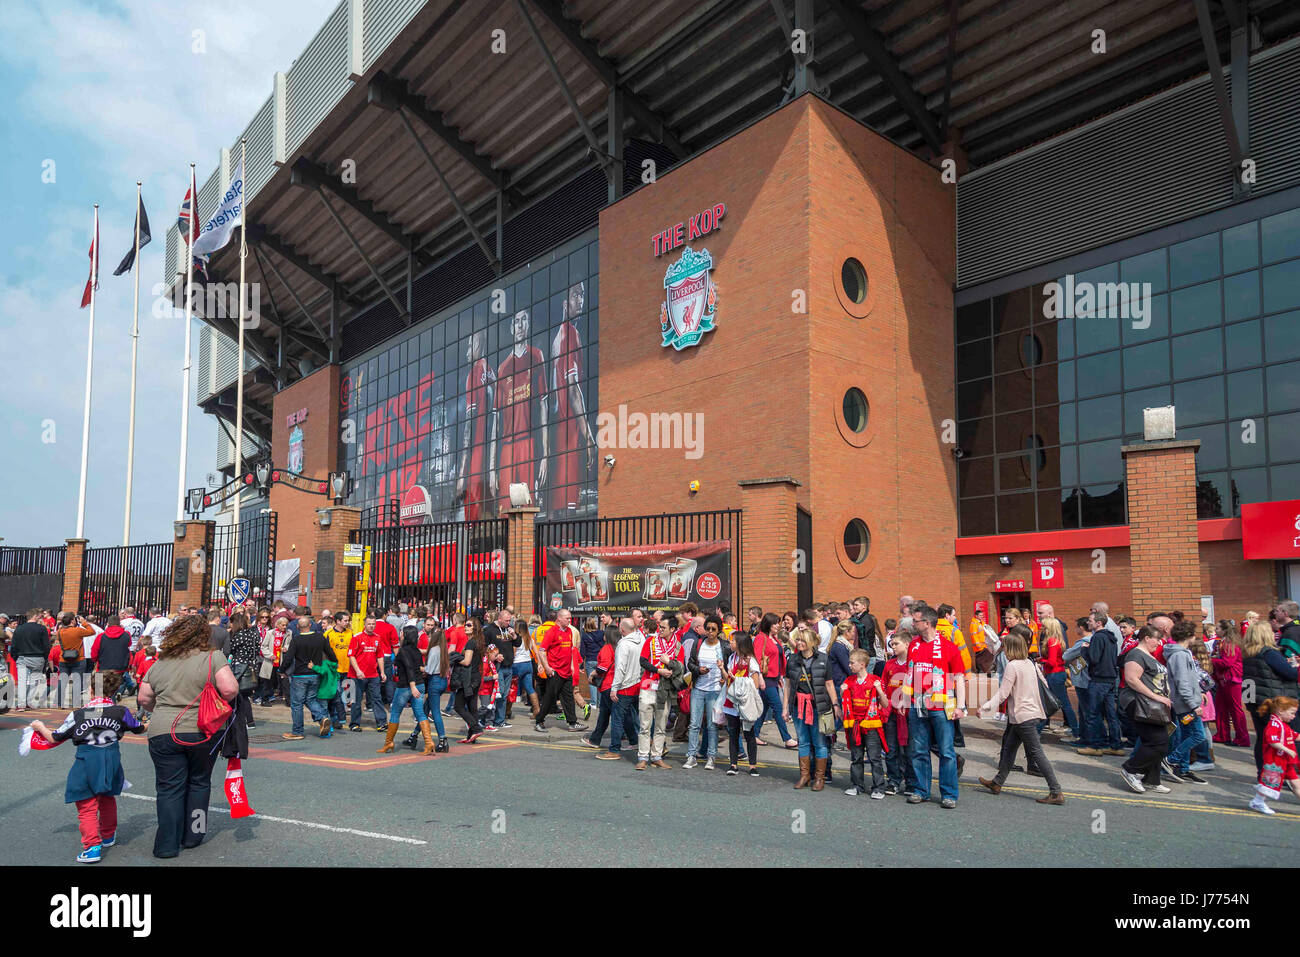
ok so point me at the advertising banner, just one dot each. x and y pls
(618, 578)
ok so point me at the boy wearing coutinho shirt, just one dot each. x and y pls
(897, 762)
(866, 705)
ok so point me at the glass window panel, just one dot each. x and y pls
(1146, 363)
(1154, 324)
(1139, 399)
(1066, 420)
(973, 321)
(978, 516)
(1014, 472)
(1282, 336)
(1241, 296)
(1281, 235)
(1012, 350)
(1065, 381)
(1282, 286)
(1015, 513)
(1247, 486)
(1241, 247)
(974, 360)
(1065, 339)
(1100, 462)
(1047, 422)
(975, 477)
(1013, 310)
(560, 276)
(975, 438)
(1199, 401)
(1069, 456)
(1012, 391)
(1198, 354)
(383, 364)
(1284, 482)
(1047, 385)
(1213, 497)
(1101, 505)
(578, 264)
(1099, 374)
(1146, 268)
(1243, 347)
(1069, 507)
(1245, 394)
(1012, 430)
(1049, 510)
(1284, 387)
(1109, 272)
(1197, 307)
(1100, 418)
(1194, 261)
(1213, 453)
(1240, 450)
(974, 399)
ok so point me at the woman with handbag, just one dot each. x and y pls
(817, 706)
(1021, 688)
(187, 690)
(1052, 641)
(245, 651)
(1145, 699)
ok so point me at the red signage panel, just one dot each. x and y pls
(1271, 530)
(1017, 584)
(1048, 573)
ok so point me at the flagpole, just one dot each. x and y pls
(90, 357)
(185, 379)
(135, 340)
(239, 387)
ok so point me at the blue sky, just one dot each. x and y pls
(111, 93)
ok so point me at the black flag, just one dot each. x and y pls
(129, 259)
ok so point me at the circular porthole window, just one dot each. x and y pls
(854, 279)
(856, 410)
(857, 541)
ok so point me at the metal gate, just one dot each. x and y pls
(661, 529)
(443, 565)
(255, 560)
(31, 578)
(136, 576)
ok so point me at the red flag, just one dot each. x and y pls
(235, 791)
(93, 281)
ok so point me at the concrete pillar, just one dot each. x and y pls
(191, 564)
(73, 564)
(520, 546)
(769, 540)
(1164, 551)
(324, 569)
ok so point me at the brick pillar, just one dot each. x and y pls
(520, 544)
(188, 573)
(324, 569)
(72, 566)
(769, 540)
(1164, 553)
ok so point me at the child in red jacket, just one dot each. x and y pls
(1281, 766)
(897, 761)
(866, 705)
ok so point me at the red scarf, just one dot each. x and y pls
(660, 650)
(862, 709)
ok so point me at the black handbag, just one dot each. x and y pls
(1050, 704)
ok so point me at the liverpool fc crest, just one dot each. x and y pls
(690, 300)
(295, 450)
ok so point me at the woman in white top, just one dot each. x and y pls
(1019, 688)
(741, 664)
(707, 665)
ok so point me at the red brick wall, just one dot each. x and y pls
(74, 562)
(1163, 550)
(770, 578)
(1083, 585)
(1238, 585)
(295, 510)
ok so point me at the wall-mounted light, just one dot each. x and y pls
(1004, 559)
(325, 516)
(609, 461)
(178, 528)
(694, 486)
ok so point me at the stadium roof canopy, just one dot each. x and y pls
(404, 161)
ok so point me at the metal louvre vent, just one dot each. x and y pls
(384, 19)
(173, 252)
(260, 150)
(1153, 164)
(318, 78)
(203, 381)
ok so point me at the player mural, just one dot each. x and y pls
(447, 418)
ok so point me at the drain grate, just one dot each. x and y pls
(266, 739)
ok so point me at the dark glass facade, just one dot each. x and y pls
(1045, 402)
(500, 389)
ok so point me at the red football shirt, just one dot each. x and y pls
(934, 666)
(365, 649)
(388, 637)
(566, 367)
(456, 639)
(476, 407)
(520, 381)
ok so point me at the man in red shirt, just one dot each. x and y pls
(366, 669)
(559, 642)
(572, 430)
(938, 682)
(521, 381)
(480, 390)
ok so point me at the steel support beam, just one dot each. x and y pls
(614, 132)
(1211, 47)
(306, 173)
(949, 56)
(636, 107)
(319, 349)
(804, 80)
(356, 247)
(260, 235)
(871, 43)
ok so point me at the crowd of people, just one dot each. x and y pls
(897, 694)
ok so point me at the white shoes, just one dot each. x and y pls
(1257, 804)
(690, 763)
(708, 765)
(1134, 783)
(1202, 766)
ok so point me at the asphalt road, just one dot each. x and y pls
(524, 798)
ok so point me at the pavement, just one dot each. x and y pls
(520, 797)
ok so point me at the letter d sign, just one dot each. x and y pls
(1048, 573)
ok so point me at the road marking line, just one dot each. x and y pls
(288, 820)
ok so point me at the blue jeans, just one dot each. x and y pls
(925, 728)
(371, 689)
(602, 718)
(812, 743)
(302, 689)
(433, 690)
(401, 698)
(897, 763)
(505, 674)
(772, 706)
(1103, 694)
(1085, 715)
(523, 671)
(1185, 739)
(624, 721)
(1056, 684)
(701, 708)
(338, 713)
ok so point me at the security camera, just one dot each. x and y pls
(609, 461)
(957, 452)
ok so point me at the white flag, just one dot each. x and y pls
(220, 225)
